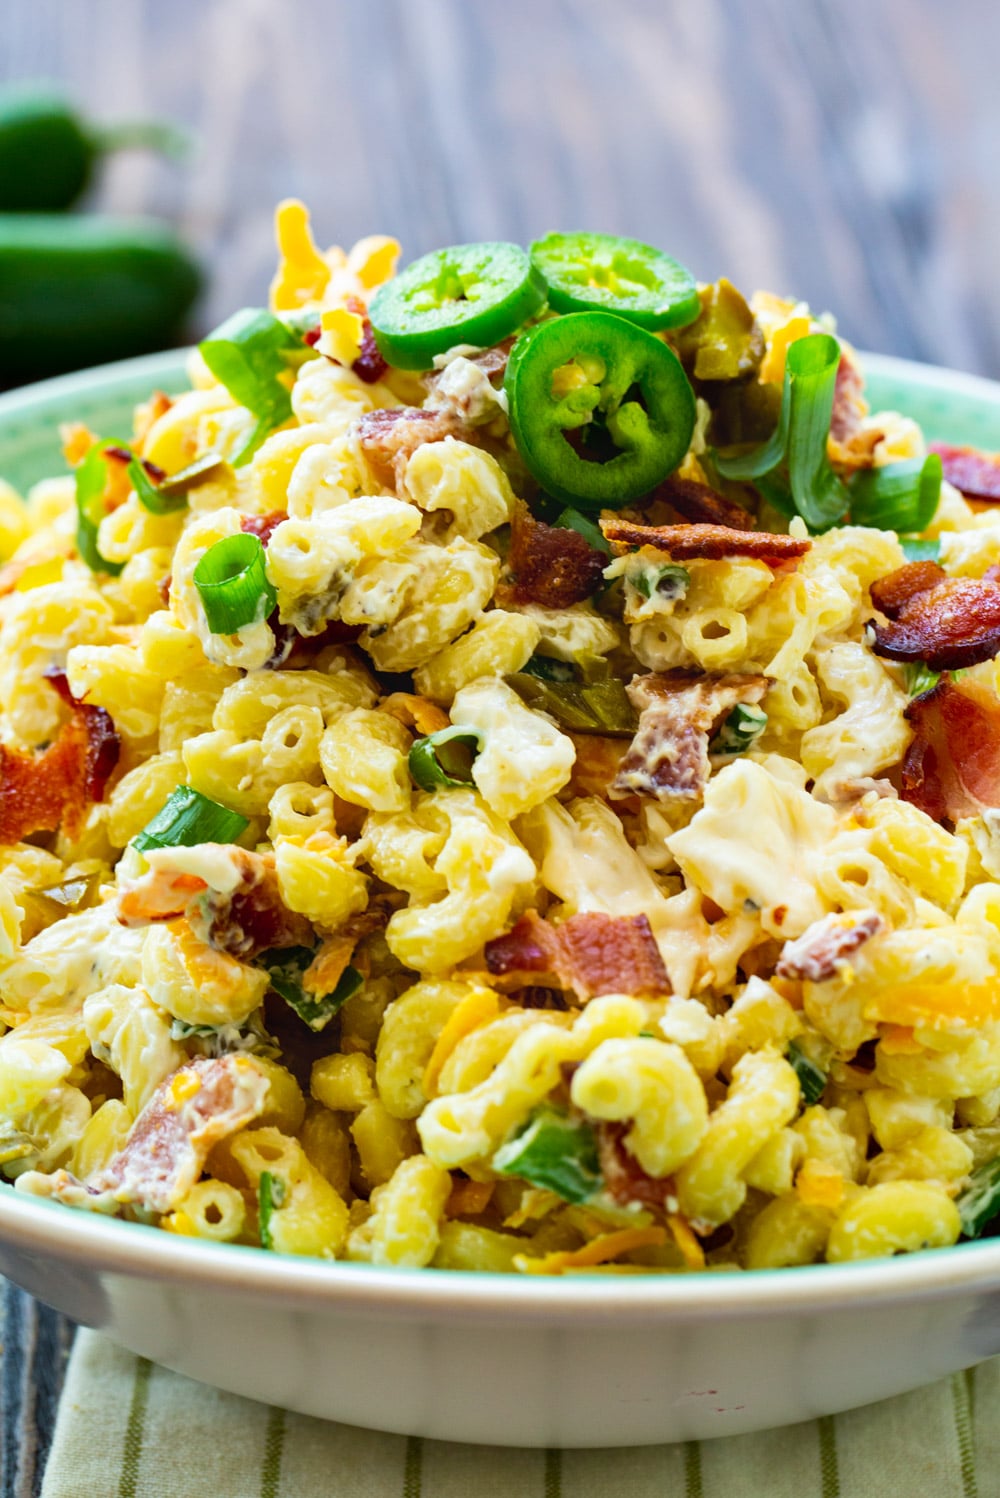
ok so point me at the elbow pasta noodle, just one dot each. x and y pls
(721, 969)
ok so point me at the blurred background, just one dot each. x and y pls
(840, 150)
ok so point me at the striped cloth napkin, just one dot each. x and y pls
(128, 1429)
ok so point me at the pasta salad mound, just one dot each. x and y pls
(503, 773)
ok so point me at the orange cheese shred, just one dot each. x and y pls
(597, 1251)
(687, 1241)
(935, 1006)
(819, 1185)
(899, 1040)
(476, 1009)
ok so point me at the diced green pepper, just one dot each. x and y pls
(630, 409)
(555, 1152)
(91, 482)
(588, 707)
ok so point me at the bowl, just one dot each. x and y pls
(588, 1360)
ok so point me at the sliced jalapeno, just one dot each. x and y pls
(600, 272)
(617, 391)
(470, 293)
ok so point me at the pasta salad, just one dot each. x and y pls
(503, 773)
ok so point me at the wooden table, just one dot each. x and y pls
(842, 150)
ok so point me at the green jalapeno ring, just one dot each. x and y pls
(651, 437)
(605, 273)
(468, 293)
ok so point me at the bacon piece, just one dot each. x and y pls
(668, 757)
(391, 435)
(189, 1113)
(948, 622)
(590, 954)
(823, 946)
(551, 564)
(712, 542)
(624, 1178)
(892, 593)
(263, 526)
(849, 404)
(702, 504)
(952, 768)
(975, 472)
(243, 919)
(369, 365)
(39, 792)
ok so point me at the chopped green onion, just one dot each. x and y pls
(151, 496)
(188, 818)
(589, 707)
(272, 1192)
(979, 1203)
(898, 497)
(667, 581)
(740, 730)
(250, 1038)
(286, 968)
(232, 580)
(444, 759)
(572, 520)
(812, 1078)
(249, 354)
(91, 482)
(919, 678)
(555, 1152)
(205, 467)
(547, 668)
(799, 441)
(920, 551)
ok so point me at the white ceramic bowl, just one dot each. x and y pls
(591, 1360)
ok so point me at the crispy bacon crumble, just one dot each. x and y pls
(55, 787)
(952, 767)
(589, 954)
(947, 622)
(711, 542)
(668, 757)
(551, 564)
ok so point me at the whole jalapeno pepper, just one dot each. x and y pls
(601, 411)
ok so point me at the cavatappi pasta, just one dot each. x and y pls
(405, 865)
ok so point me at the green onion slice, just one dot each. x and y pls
(572, 520)
(271, 1192)
(915, 550)
(444, 759)
(249, 354)
(91, 482)
(555, 1152)
(188, 818)
(740, 730)
(171, 493)
(799, 440)
(812, 1078)
(898, 497)
(286, 968)
(151, 496)
(232, 580)
(979, 1203)
(919, 678)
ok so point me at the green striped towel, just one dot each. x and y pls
(128, 1429)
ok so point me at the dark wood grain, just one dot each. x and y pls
(840, 150)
